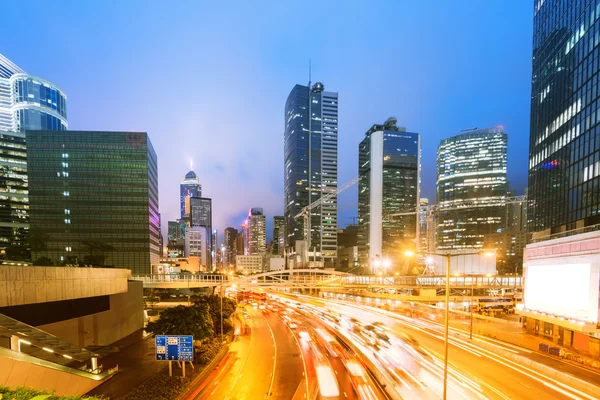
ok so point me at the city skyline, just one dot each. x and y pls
(107, 99)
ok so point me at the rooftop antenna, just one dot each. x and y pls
(191, 165)
(309, 72)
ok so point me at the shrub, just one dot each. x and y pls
(159, 387)
(204, 353)
(23, 393)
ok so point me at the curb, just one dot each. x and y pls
(205, 372)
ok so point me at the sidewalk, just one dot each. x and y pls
(136, 362)
(511, 332)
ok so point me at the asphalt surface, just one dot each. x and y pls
(473, 372)
(247, 370)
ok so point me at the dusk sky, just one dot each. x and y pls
(208, 80)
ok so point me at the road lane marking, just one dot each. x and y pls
(274, 357)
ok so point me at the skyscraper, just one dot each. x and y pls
(278, 235)
(389, 163)
(230, 247)
(189, 187)
(200, 214)
(564, 141)
(105, 214)
(310, 163)
(28, 102)
(471, 188)
(255, 233)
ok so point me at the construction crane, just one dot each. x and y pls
(325, 196)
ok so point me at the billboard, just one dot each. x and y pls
(464, 264)
(562, 289)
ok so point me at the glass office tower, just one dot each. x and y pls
(390, 170)
(564, 142)
(200, 214)
(28, 102)
(310, 148)
(95, 194)
(471, 188)
(189, 187)
(14, 200)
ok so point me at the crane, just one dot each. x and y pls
(325, 196)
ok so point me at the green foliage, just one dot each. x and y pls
(38, 240)
(207, 351)
(17, 253)
(159, 387)
(23, 393)
(214, 303)
(181, 320)
(44, 262)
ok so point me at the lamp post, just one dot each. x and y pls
(471, 309)
(448, 256)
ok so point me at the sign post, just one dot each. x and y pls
(174, 348)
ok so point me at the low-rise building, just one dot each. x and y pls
(249, 264)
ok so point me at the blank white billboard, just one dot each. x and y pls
(566, 290)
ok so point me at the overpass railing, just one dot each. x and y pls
(176, 278)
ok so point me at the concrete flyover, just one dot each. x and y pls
(326, 279)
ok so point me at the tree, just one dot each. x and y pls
(38, 240)
(181, 320)
(43, 261)
(214, 304)
(95, 246)
(17, 253)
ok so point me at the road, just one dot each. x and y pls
(474, 372)
(265, 363)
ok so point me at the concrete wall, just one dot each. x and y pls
(15, 373)
(126, 315)
(27, 284)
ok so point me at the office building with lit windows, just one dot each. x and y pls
(200, 214)
(14, 191)
(389, 161)
(28, 102)
(189, 187)
(230, 247)
(563, 207)
(255, 232)
(310, 163)
(471, 188)
(95, 194)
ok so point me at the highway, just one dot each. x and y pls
(288, 356)
(473, 371)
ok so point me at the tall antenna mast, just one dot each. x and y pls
(309, 73)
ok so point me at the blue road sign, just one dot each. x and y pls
(174, 348)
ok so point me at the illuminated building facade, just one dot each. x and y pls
(28, 102)
(390, 169)
(230, 247)
(106, 214)
(14, 200)
(200, 214)
(471, 188)
(564, 142)
(255, 234)
(310, 163)
(278, 235)
(189, 187)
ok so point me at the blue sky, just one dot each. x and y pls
(208, 80)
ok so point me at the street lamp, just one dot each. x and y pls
(447, 311)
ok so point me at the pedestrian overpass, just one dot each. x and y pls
(327, 279)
